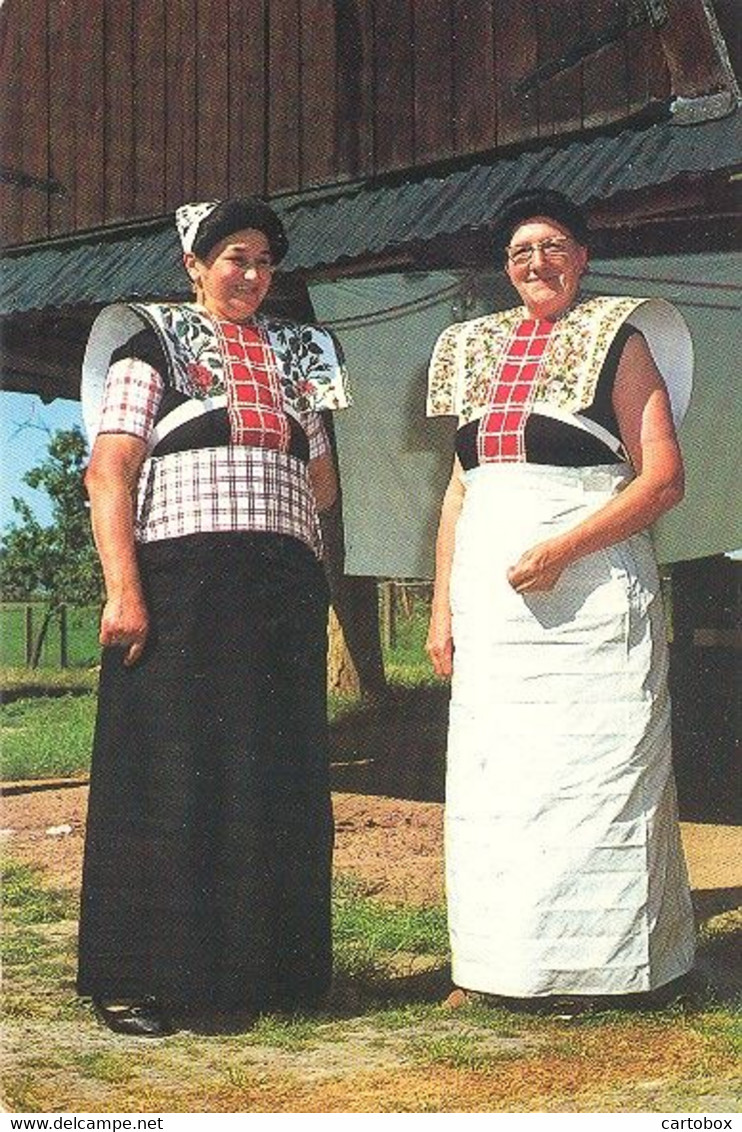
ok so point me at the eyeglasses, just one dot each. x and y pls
(553, 249)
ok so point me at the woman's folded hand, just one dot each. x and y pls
(125, 624)
(537, 569)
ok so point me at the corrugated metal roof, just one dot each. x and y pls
(372, 220)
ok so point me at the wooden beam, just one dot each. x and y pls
(694, 50)
(653, 201)
(42, 352)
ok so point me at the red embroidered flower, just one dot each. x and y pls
(201, 376)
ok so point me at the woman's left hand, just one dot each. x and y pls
(537, 569)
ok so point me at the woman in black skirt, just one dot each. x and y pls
(208, 853)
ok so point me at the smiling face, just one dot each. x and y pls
(232, 280)
(548, 279)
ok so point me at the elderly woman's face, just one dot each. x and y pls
(235, 276)
(545, 264)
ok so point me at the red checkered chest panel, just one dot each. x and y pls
(256, 414)
(500, 437)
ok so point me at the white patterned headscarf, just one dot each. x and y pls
(203, 225)
(188, 219)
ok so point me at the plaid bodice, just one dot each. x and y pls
(510, 395)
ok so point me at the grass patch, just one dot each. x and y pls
(82, 635)
(56, 1066)
(376, 942)
(17, 683)
(405, 659)
(26, 900)
(725, 1027)
(36, 946)
(47, 737)
(421, 931)
(23, 949)
(102, 1065)
(294, 1033)
(408, 1016)
(459, 1051)
(340, 705)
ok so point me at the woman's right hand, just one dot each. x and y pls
(125, 624)
(439, 645)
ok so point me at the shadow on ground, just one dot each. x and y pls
(350, 997)
(395, 746)
(719, 916)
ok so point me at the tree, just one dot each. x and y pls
(56, 563)
(355, 663)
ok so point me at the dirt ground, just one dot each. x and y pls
(393, 846)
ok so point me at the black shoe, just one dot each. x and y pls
(141, 1019)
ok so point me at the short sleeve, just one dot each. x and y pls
(319, 444)
(443, 374)
(131, 398)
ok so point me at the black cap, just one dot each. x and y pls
(233, 216)
(539, 202)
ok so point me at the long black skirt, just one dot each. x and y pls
(209, 842)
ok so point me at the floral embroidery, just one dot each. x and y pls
(309, 360)
(482, 356)
(310, 363)
(467, 354)
(200, 376)
(191, 345)
(577, 349)
(442, 380)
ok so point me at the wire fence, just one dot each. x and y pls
(70, 641)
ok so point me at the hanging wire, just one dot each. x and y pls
(461, 287)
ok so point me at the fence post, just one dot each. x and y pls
(388, 613)
(29, 635)
(63, 652)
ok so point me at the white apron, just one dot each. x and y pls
(564, 869)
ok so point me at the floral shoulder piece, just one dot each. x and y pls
(191, 346)
(577, 349)
(443, 372)
(467, 354)
(308, 358)
(311, 365)
(462, 363)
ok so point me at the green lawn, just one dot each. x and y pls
(47, 737)
(48, 723)
(82, 635)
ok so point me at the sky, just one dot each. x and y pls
(26, 425)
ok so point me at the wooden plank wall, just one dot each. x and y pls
(133, 106)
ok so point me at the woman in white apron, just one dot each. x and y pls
(565, 873)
